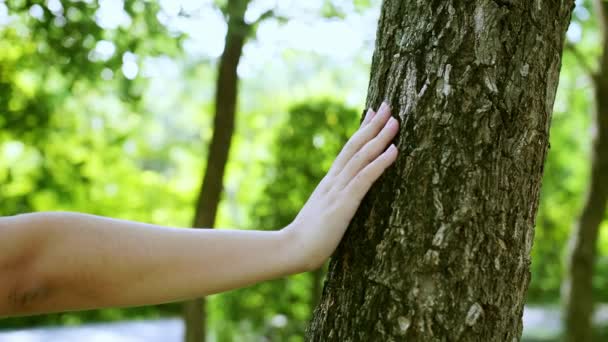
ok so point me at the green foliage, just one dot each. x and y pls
(362, 4)
(306, 146)
(337, 9)
(59, 131)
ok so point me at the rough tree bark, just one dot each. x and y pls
(578, 286)
(317, 287)
(223, 127)
(439, 249)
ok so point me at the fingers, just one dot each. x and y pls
(368, 153)
(360, 138)
(360, 185)
(368, 117)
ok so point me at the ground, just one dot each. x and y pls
(540, 324)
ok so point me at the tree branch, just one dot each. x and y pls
(601, 7)
(266, 15)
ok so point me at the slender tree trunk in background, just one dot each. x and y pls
(578, 286)
(223, 127)
(439, 249)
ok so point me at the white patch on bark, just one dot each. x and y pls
(447, 88)
(479, 20)
(404, 324)
(380, 327)
(451, 12)
(411, 94)
(525, 69)
(465, 76)
(485, 107)
(467, 258)
(529, 240)
(502, 244)
(486, 35)
(424, 88)
(437, 203)
(445, 155)
(440, 236)
(431, 257)
(490, 84)
(475, 311)
(520, 262)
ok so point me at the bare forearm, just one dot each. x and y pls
(86, 262)
(61, 261)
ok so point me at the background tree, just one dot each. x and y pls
(578, 284)
(226, 90)
(440, 247)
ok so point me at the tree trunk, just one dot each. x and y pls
(578, 286)
(223, 127)
(439, 249)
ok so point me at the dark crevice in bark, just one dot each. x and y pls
(317, 287)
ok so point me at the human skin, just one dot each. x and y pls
(60, 261)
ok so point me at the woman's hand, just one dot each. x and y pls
(321, 223)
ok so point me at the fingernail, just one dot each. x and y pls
(383, 106)
(393, 122)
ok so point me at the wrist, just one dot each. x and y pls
(300, 252)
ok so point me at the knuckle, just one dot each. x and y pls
(358, 157)
(362, 179)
